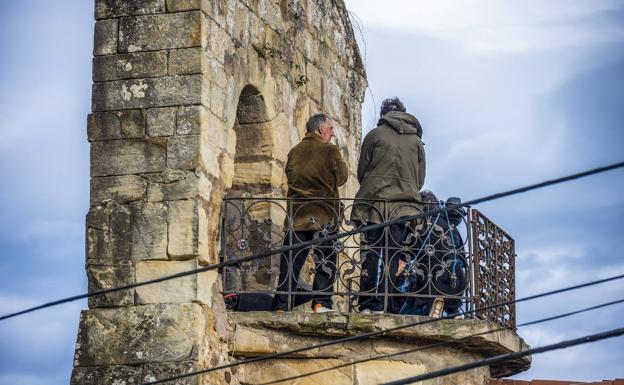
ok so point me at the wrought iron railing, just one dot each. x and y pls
(463, 258)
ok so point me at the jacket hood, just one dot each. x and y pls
(402, 122)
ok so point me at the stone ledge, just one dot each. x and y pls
(269, 328)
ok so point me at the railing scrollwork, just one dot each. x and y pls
(467, 260)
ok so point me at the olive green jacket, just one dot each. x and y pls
(392, 168)
(315, 169)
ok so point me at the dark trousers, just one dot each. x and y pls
(372, 277)
(325, 266)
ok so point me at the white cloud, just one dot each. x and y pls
(589, 362)
(540, 335)
(555, 252)
(491, 26)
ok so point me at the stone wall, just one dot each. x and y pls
(265, 333)
(194, 100)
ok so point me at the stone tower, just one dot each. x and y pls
(195, 100)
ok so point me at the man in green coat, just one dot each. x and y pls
(315, 170)
(391, 172)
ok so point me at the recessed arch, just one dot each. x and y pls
(254, 155)
(257, 173)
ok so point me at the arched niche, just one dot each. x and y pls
(254, 156)
(257, 174)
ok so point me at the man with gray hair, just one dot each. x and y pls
(315, 169)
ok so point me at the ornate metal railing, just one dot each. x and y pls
(493, 255)
(463, 258)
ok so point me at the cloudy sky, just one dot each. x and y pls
(508, 93)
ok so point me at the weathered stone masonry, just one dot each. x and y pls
(195, 100)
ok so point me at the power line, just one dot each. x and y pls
(443, 343)
(315, 241)
(510, 356)
(380, 332)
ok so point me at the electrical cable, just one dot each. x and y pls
(315, 241)
(510, 356)
(443, 343)
(381, 332)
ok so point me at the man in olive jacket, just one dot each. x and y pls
(315, 170)
(391, 172)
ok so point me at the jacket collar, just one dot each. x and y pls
(311, 136)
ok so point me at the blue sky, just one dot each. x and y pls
(512, 93)
(508, 93)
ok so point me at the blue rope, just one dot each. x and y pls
(448, 221)
(409, 264)
(408, 268)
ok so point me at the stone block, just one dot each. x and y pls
(105, 37)
(161, 121)
(139, 334)
(215, 10)
(131, 156)
(146, 93)
(192, 288)
(183, 219)
(186, 61)
(98, 375)
(217, 101)
(183, 152)
(332, 98)
(163, 31)
(377, 372)
(167, 176)
(266, 371)
(130, 66)
(215, 72)
(355, 123)
(313, 86)
(161, 370)
(254, 142)
(186, 187)
(149, 231)
(190, 120)
(218, 42)
(106, 277)
(116, 8)
(120, 232)
(120, 189)
(128, 124)
(271, 12)
(256, 32)
(307, 45)
(251, 340)
(238, 24)
(96, 244)
(214, 158)
(230, 101)
(263, 173)
(183, 5)
(357, 88)
(98, 218)
(108, 234)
